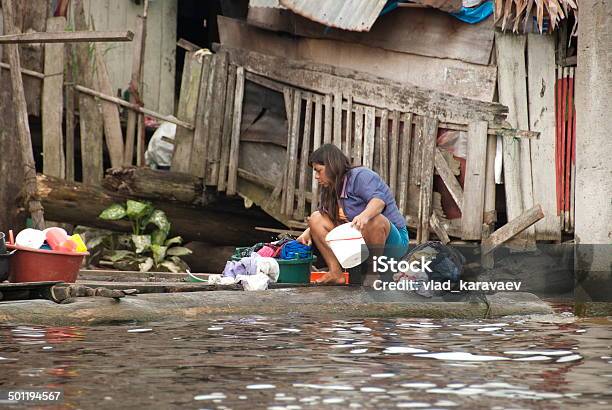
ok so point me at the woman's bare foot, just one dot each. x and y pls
(331, 278)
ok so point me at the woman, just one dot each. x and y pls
(357, 195)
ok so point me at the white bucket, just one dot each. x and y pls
(346, 243)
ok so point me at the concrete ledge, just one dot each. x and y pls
(321, 301)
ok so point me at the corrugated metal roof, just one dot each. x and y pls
(354, 15)
(265, 3)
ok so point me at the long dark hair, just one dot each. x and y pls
(336, 166)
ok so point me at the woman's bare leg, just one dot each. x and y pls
(375, 234)
(320, 225)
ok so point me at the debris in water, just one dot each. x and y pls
(460, 356)
(142, 330)
(402, 349)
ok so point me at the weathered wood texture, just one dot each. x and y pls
(26, 157)
(541, 85)
(90, 117)
(368, 89)
(512, 228)
(160, 51)
(396, 32)
(430, 133)
(449, 179)
(153, 184)
(67, 37)
(404, 163)
(227, 128)
(132, 133)
(235, 141)
(303, 167)
(292, 147)
(69, 108)
(443, 75)
(512, 86)
(188, 101)
(81, 204)
(52, 104)
(216, 125)
(110, 113)
(199, 149)
(473, 195)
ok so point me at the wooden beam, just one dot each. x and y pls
(358, 145)
(368, 89)
(68, 37)
(292, 147)
(369, 130)
(199, 150)
(384, 145)
(512, 228)
(316, 143)
(303, 165)
(235, 141)
(227, 128)
(187, 45)
(394, 152)
(436, 226)
(23, 128)
(338, 119)
(25, 71)
(473, 195)
(133, 107)
(404, 161)
(52, 104)
(449, 179)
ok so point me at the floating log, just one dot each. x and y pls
(81, 204)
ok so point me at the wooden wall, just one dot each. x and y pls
(160, 52)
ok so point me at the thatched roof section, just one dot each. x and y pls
(512, 12)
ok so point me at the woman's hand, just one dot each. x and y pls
(360, 221)
(305, 238)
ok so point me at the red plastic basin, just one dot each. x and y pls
(39, 265)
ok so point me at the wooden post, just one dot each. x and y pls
(235, 142)
(393, 152)
(216, 125)
(473, 195)
(327, 132)
(294, 139)
(52, 104)
(199, 151)
(358, 145)
(449, 179)
(338, 120)
(23, 128)
(69, 111)
(288, 100)
(348, 143)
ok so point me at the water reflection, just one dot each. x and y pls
(301, 362)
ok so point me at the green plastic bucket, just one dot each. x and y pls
(291, 270)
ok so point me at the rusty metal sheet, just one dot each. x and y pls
(354, 15)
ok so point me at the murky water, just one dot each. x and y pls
(298, 362)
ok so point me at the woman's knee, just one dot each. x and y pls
(318, 221)
(377, 227)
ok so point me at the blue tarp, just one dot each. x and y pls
(470, 15)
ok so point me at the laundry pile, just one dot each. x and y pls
(256, 266)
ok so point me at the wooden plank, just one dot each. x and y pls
(23, 128)
(348, 143)
(216, 125)
(135, 91)
(384, 145)
(110, 114)
(235, 142)
(68, 37)
(512, 228)
(69, 111)
(227, 128)
(430, 133)
(90, 117)
(338, 119)
(368, 89)
(288, 100)
(301, 194)
(199, 151)
(52, 104)
(510, 50)
(369, 130)
(395, 31)
(316, 143)
(436, 226)
(417, 152)
(404, 163)
(451, 76)
(473, 195)
(394, 152)
(327, 123)
(490, 215)
(293, 151)
(167, 75)
(358, 145)
(541, 85)
(449, 179)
